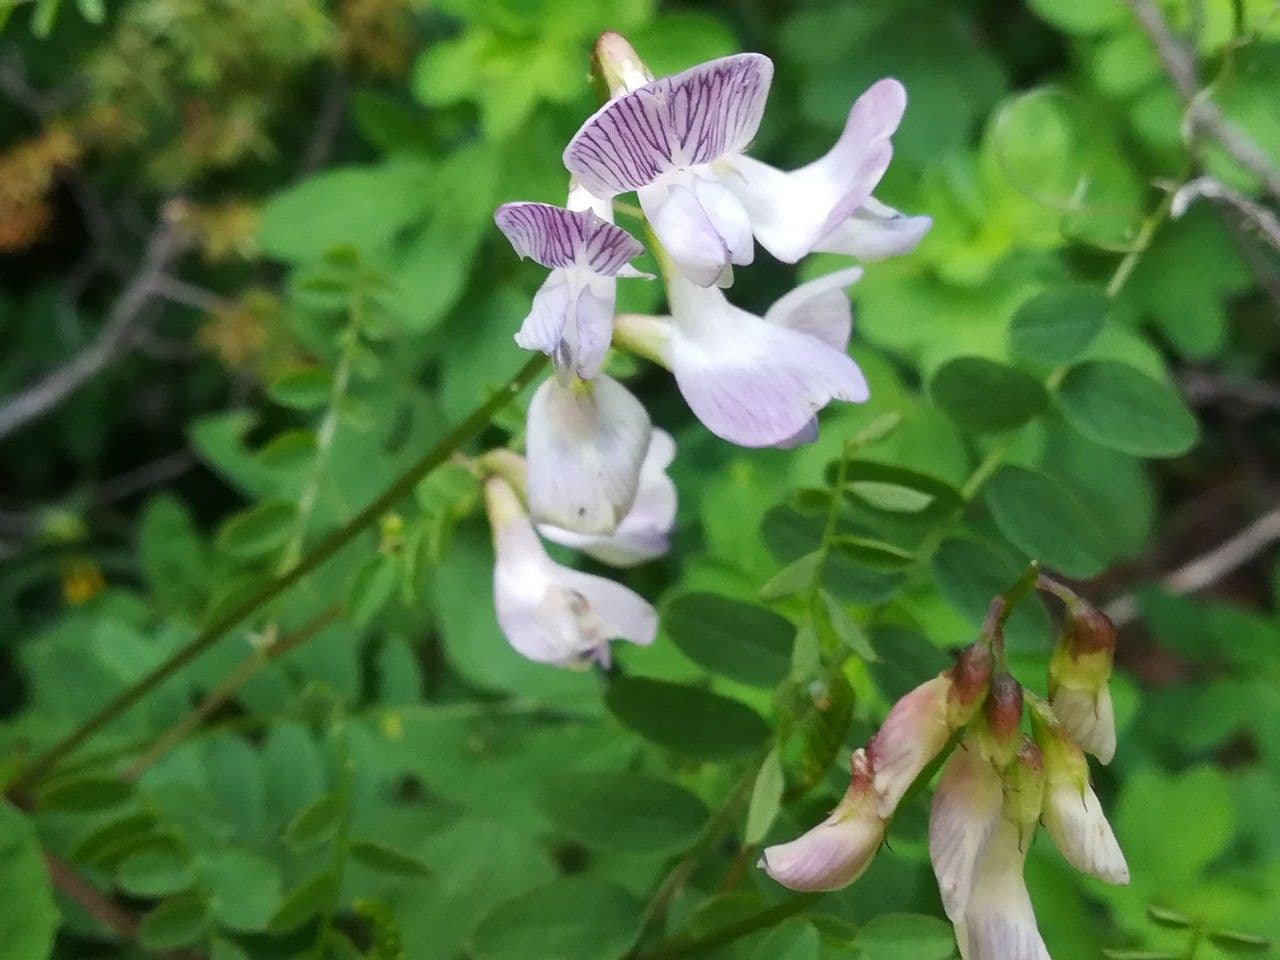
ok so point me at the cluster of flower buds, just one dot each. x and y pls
(592, 476)
(996, 787)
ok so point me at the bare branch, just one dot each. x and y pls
(114, 340)
(1266, 223)
(1209, 568)
(1203, 115)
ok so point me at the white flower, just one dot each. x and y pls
(679, 142)
(919, 725)
(1072, 814)
(645, 531)
(966, 808)
(572, 315)
(550, 613)
(999, 922)
(585, 444)
(837, 851)
(755, 381)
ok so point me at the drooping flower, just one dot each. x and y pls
(837, 851)
(1078, 679)
(755, 381)
(966, 808)
(969, 800)
(645, 531)
(585, 444)
(679, 142)
(999, 922)
(1072, 814)
(550, 613)
(919, 725)
(572, 315)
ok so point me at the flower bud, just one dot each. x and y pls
(1078, 675)
(1024, 789)
(837, 851)
(619, 66)
(919, 725)
(1072, 814)
(1002, 721)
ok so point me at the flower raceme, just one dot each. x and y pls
(551, 613)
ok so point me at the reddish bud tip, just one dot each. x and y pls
(1003, 708)
(1088, 630)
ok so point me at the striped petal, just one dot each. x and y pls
(557, 238)
(674, 123)
(792, 212)
(1075, 821)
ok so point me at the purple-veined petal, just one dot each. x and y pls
(555, 238)
(673, 123)
(547, 612)
(820, 308)
(913, 733)
(750, 382)
(966, 807)
(874, 232)
(837, 851)
(791, 212)
(645, 531)
(999, 922)
(585, 444)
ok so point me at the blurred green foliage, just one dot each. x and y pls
(397, 782)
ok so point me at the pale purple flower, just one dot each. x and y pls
(571, 319)
(585, 444)
(550, 613)
(755, 381)
(837, 851)
(920, 724)
(679, 142)
(966, 808)
(645, 532)
(875, 231)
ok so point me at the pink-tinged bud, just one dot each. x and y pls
(1002, 720)
(619, 66)
(966, 808)
(1072, 814)
(837, 851)
(1024, 789)
(999, 922)
(1078, 675)
(919, 725)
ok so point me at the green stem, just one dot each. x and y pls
(689, 946)
(324, 435)
(323, 551)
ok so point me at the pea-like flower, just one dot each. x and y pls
(755, 381)
(680, 143)
(550, 613)
(571, 319)
(645, 532)
(1078, 680)
(920, 724)
(1072, 814)
(585, 444)
(837, 851)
